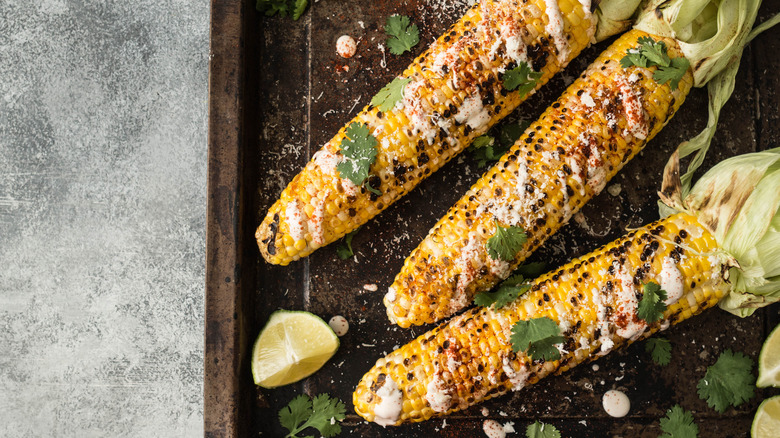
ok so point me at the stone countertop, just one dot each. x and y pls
(102, 217)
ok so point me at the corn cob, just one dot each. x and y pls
(593, 299)
(581, 141)
(455, 95)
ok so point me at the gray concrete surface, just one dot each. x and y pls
(102, 217)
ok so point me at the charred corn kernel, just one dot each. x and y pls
(431, 124)
(562, 160)
(593, 300)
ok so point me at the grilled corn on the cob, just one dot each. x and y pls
(593, 300)
(455, 94)
(602, 120)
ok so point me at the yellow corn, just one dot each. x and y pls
(593, 299)
(433, 124)
(562, 160)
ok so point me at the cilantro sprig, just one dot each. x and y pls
(729, 382)
(322, 413)
(521, 78)
(510, 132)
(531, 270)
(300, 7)
(344, 250)
(359, 151)
(672, 73)
(678, 423)
(660, 350)
(401, 35)
(390, 94)
(295, 8)
(506, 243)
(651, 307)
(542, 430)
(537, 337)
(652, 53)
(507, 291)
(512, 287)
(488, 148)
(483, 141)
(485, 149)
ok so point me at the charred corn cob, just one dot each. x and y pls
(454, 94)
(592, 299)
(602, 120)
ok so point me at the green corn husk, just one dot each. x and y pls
(738, 200)
(712, 34)
(614, 17)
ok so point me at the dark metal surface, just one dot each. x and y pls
(279, 91)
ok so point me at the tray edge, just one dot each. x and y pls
(222, 342)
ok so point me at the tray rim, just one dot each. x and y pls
(222, 342)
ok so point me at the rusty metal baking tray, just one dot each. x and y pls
(278, 91)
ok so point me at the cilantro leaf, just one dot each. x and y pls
(521, 78)
(660, 349)
(295, 8)
(654, 51)
(542, 430)
(507, 291)
(673, 73)
(299, 8)
(296, 412)
(359, 150)
(678, 423)
(728, 382)
(651, 53)
(537, 337)
(485, 149)
(483, 141)
(402, 36)
(515, 281)
(272, 7)
(323, 413)
(512, 287)
(510, 132)
(651, 307)
(531, 270)
(325, 409)
(388, 96)
(488, 154)
(344, 250)
(633, 57)
(506, 243)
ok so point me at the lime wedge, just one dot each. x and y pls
(766, 423)
(291, 346)
(769, 361)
